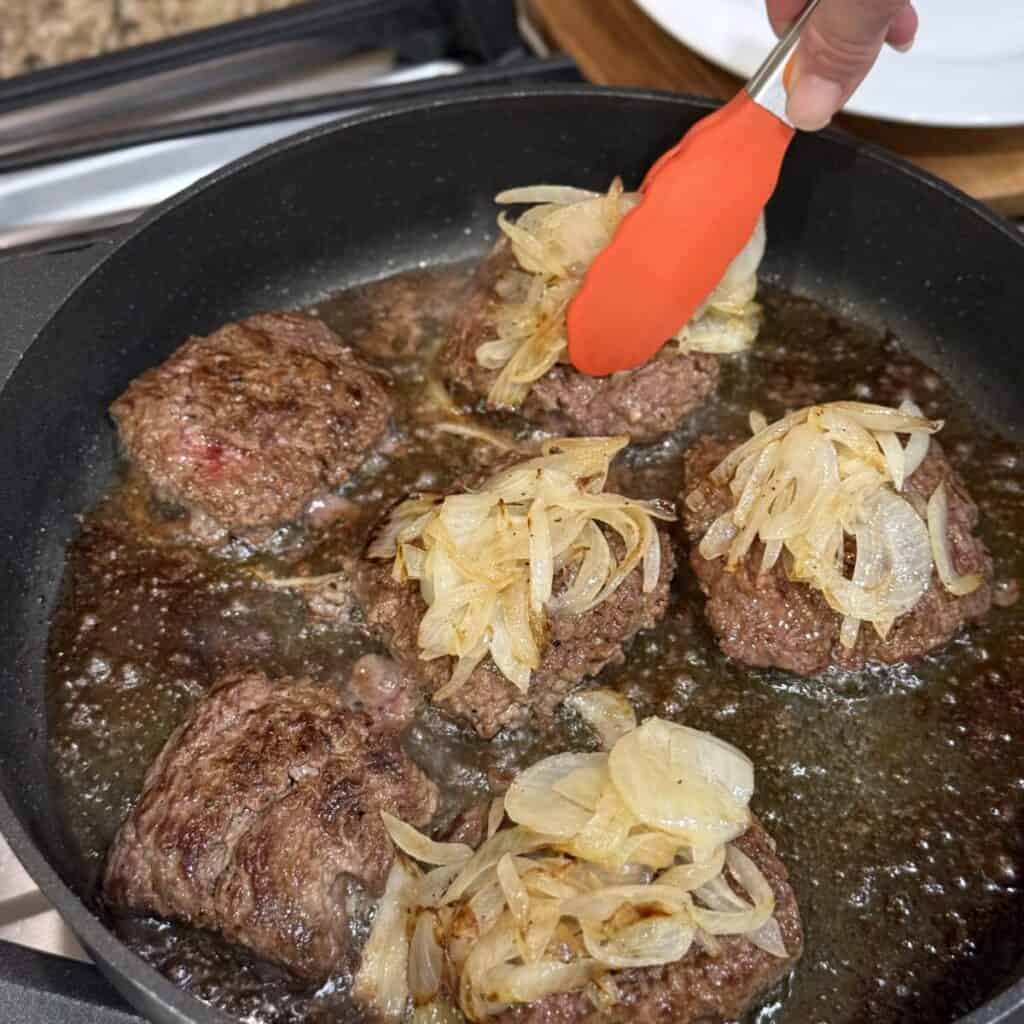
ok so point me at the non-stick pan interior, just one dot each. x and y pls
(389, 192)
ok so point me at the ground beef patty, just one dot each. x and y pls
(576, 646)
(765, 619)
(644, 403)
(400, 317)
(245, 427)
(700, 988)
(260, 819)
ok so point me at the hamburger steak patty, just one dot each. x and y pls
(576, 646)
(260, 813)
(246, 426)
(767, 620)
(700, 988)
(644, 403)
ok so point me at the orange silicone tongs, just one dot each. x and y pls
(701, 203)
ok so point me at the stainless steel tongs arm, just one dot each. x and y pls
(767, 86)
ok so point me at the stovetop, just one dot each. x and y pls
(62, 202)
(26, 918)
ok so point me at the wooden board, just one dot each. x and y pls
(615, 43)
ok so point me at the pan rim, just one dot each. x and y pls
(389, 111)
(116, 956)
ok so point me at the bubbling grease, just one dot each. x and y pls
(896, 794)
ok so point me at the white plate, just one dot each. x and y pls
(966, 67)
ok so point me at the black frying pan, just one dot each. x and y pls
(850, 226)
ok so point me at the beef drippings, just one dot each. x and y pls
(895, 794)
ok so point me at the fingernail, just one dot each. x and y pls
(813, 101)
(903, 29)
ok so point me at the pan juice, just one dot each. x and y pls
(895, 794)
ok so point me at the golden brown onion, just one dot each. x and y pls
(532, 914)
(819, 476)
(420, 847)
(607, 712)
(938, 534)
(383, 978)
(554, 244)
(486, 561)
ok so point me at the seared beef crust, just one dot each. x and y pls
(767, 620)
(260, 814)
(245, 427)
(644, 403)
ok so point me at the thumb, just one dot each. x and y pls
(838, 47)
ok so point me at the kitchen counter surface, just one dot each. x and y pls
(44, 33)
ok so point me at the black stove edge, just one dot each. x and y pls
(518, 69)
(37, 986)
(358, 19)
(483, 31)
(480, 30)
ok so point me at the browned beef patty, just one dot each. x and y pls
(577, 646)
(400, 317)
(245, 427)
(644, 403)
(260, 819)
(767, 620)
(700, 988)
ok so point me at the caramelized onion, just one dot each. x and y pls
(533, 800)
(495, 815)
(467, 428)
(769, 938)
(608, 713)
(917, 447)
(420, 847)
(426, 959)
(509, 983)
(434, 884)
(383, 978)
(604, 836)
(816, 477)
(605, 903)
(650, 942)
(564, 899)
(485, 860)
(554, 243)
(938, 535)
(516, 897)
(692, 876)
(585, 784)
(487, 561)
(297, 582)
(562, 194)
(438, 1011)
(650, 766)
(733, 915)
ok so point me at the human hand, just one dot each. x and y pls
(839, 45)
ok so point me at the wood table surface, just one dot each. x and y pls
(615, 43)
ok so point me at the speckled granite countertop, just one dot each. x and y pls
(43, 33)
